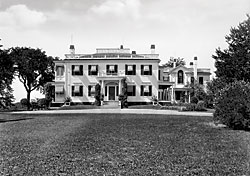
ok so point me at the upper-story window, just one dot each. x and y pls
(192, 80)
(146, 90)
(180, 77)
(93, 69)
(59, 70)
(77, 69)
(201, 80)
(166, 78)
(130, 69)
(111, 69)
(77, 90)
(146, 69)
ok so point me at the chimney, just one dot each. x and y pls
(195, 68)
(72, 50)
(152, 49)
(133, 52)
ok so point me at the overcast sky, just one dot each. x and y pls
(179, 28)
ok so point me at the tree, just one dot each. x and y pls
(233, 63)
(179, 61)
(6, 78)
(98, 95)
(34, 68)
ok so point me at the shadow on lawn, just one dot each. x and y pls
(13, 120)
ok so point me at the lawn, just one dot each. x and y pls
(112, 144)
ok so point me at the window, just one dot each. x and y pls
(111, 69)
(146, 69)
(130, 69)
(200, 80)
(59, 70)
(131, 90)
(146, 90)
(77, 69)
(59, 89)
(91, 90)
(77, 90)
(180, 77)
(93, 69)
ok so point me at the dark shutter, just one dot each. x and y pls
(96, 69)
(81, 91)
(134, 69)
(89, 89)
(142, 91)
(81, 69)
(116, 68)
(142, 69)
(72, 69)
(150, 69)
(89, 69)
(117, 90)
(126, 69)
(72, 90)
(159, 75)
(150, 91)
(134, 90)
(107, 69)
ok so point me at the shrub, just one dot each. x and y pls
(194, 100)
(232, 105)
(200, 106)
(42, 102)
(97, 95)
(24, 102)
(189, 107)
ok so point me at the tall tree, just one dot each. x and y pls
(178, 61)
(34, 68)
(6, 77)
(233, 63)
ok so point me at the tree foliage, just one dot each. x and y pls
(179, 61)
(98, 94)
(233, 63)
(34, 68)
(6, 77)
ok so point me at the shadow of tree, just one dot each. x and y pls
(13, 120)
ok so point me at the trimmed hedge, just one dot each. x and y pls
(232, 105)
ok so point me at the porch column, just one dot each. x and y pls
(172, 94)
(189, 98)
(102, 87)
(120, 86)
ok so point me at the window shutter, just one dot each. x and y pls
(150, 90)
(81, 69)
(134, 69)
(159, 75)
(81, 90)
(96, 69)
(117, 90)
(72, 69)
(107, 69)
(89, 90)
(150, 69)
(106, 90)
(72, 91)
(134, 90)
(142, 89)
(126, 69)
(142, 68)
(116, 68)
(89, 69)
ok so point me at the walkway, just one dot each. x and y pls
(118, 111)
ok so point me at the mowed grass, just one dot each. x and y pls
(120, 144)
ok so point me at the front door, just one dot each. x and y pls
(111, 92)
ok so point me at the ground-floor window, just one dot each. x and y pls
(91, 90)
(131, 90)
(77, 90)
(146, 90)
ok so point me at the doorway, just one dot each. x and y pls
(111, 92)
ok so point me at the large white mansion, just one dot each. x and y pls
(77, 75)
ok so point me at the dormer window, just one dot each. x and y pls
(180, 77)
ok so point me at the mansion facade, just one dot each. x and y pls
(77, 75)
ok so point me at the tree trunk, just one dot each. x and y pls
(28, 98)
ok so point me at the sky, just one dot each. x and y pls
(179, 28)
